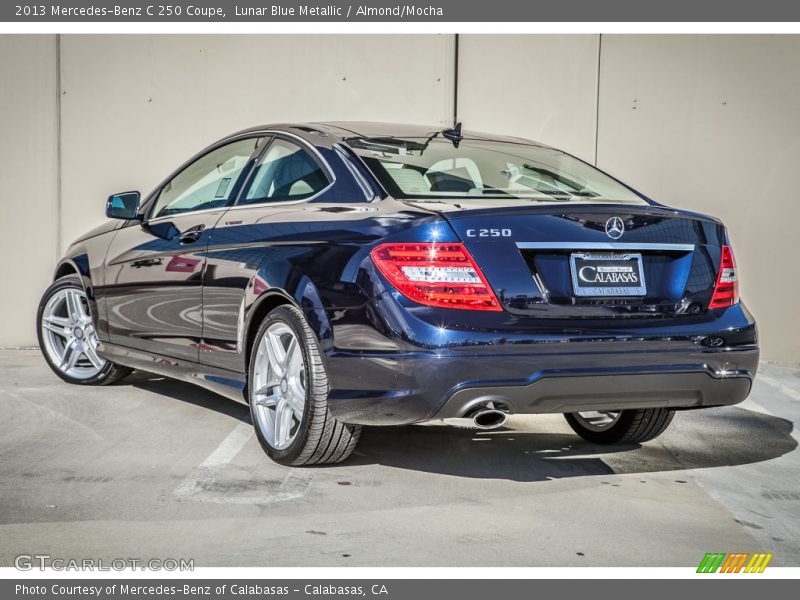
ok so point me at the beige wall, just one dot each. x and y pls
(712, 124)
(708, 123)
(134, 107)
(543, 87)
(27, 180)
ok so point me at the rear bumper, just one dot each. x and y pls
(438, 386)
(562, 391)
(661, 367)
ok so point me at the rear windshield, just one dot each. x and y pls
(476, 169)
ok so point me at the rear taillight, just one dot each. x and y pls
(436, 274)
(726, 291)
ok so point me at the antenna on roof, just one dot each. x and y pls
(454, 134)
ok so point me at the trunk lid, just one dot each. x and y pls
(591, 260)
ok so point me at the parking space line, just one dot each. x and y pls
(781, 387)
(229, 447)
(751, 403)
(294, 486)
(198, 481)
(198, 486)
(53, 412)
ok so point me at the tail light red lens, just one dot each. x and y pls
(436, 274)
(726, 291)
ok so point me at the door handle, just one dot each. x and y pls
(191, 235)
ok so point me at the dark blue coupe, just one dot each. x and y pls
(334, 275)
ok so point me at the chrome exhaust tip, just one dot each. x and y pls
(489, 418)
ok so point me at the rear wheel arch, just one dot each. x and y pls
(306, 299)
(264, 305)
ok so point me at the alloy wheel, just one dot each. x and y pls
(69, 335)
(595, 420)
(279, 385)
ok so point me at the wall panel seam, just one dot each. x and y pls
(58, 149)
(597, 98)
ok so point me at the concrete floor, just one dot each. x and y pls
(153, 468)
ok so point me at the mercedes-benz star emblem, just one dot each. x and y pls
(615, 227)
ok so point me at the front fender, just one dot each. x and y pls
(77, 264)
(86, 258)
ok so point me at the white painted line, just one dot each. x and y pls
(198, 481)
(750, 403)
(198, 486)
(294, 486)
(781, 387)
(229, 447)
(53, 412)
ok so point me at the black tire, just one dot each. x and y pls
(633, 426)
(110, 373)
(320, 439)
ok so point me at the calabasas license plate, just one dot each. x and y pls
(609, 274)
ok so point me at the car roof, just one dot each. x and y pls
(316, 132)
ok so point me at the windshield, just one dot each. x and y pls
(435, 169)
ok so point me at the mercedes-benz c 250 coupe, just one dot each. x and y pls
(335, 275)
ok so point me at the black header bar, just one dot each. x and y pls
(394, 11)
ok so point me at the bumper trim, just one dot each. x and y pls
(573, 390)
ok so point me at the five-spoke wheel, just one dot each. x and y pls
(279, 385)
(289, 394)
(597, 420)
(68, 337)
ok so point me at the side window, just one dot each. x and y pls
(208, 182)
(286, 172)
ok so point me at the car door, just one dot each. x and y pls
(154, 268)
(271, 211)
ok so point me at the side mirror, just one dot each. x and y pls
(124, 206)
